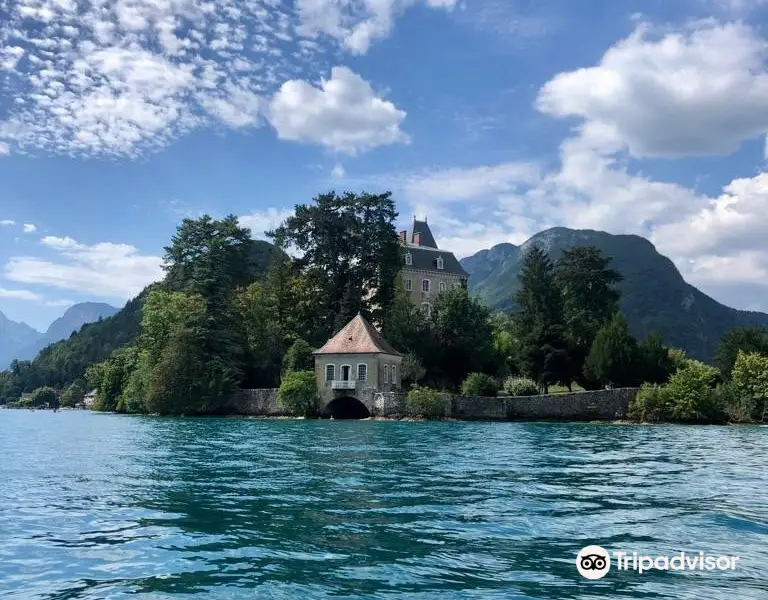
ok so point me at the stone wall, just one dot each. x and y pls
(261, 403)
(600, 405)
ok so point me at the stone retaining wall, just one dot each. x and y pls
(600, 405)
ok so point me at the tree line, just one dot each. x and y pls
(232, 312)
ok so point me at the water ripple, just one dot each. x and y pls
(105, 506)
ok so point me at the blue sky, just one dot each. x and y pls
(496, 119)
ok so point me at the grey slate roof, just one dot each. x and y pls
(427, 239)
(425, 259)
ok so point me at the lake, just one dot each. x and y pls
(110, 506)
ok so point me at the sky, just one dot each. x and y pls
(495, 119)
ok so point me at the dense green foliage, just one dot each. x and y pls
(411, 370)
(298, 393)
(425, 402)
(741, 339)
(73, 395)
(654, 296)
(479, 384)
(613, 356)
(520, 386)
(298, 357)
(45, 396)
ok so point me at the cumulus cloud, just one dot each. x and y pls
(261, 221)
(343, 113)
(30, 228)
(356, 23)
(128, 76)
(7, 222)
(338, 171)
(104, 269)
(696, 92)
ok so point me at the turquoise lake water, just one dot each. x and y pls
(109, 506)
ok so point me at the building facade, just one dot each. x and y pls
(354, 363)
(427, 270)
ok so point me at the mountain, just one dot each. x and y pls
(13, 337)
(654, 294)
(65, 361)
(22, 342)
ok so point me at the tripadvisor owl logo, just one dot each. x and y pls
(593, 562)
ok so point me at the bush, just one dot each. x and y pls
(520, 386)
(691, 391)
(479, 384)
(298, 393)
(737, 407)
(652, 403)
(424, 402)
(45, 396)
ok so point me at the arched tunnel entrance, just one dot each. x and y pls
(347, 407)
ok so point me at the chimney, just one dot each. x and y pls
(417, 238)
(404, 236)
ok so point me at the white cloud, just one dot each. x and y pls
(7, 222)
(29, 228)
(261, 221)
(123, 77)
(20, 295)
(343, 114)
(5, 149)
(700, 91)
(338, 171)
(62, 302)
(356, 23)
(104, 269)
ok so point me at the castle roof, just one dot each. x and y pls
(424, 254)
(427, 239)
(358, 337)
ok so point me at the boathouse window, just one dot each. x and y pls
(394, 375)
(330, 372)
(440, 264)
(386, 373)
(346, 372)
(408, 258)
(408, 285)
(425, 285)
(362, 372)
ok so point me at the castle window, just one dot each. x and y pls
(440, 264)
(362, 372)
(427, 308)
(408, 258)
(330, 372)
(442, 286)
(386, 373)
(408, 285)
(425, 286)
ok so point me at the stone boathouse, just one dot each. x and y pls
(352, 368)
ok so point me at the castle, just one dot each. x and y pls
(427, 271)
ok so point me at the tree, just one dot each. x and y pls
(589, 300)
(411, 370)
(45, 396)
(750, 380)
(463, 329)
(613, 357)
(479, 384)
(298, 393)
(350, 250)
(654, 359)
(299, 357)
(543, 352)
(691, 394)
(745, 339)
(73, 395)
(265, 340)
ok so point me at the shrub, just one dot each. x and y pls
(691, 391)
(298, 393)
(737, 407)
(652, 403)
(479, 384)
(424, 402)
(520, 386)
(45, 396)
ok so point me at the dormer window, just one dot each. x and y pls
(440, 264)
(408, 258)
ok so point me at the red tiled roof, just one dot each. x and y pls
(357, 337)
